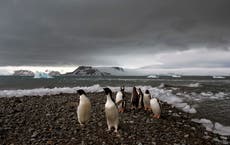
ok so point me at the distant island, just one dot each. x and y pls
(23, 73)
(32, 74)
(87, 71)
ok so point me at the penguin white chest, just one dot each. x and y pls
(84, 109)
(119, 96)
(111, 113)
(155, 106)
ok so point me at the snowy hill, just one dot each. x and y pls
(103, 71)
(87, 71)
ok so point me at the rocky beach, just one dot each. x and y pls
(52, 119)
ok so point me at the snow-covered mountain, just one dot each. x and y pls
(103, 71)
(87, 71)
(119, 71)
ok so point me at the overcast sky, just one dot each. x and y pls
(130, 33)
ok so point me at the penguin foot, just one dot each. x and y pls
(157, 116)
(109, 129)
(82, 125)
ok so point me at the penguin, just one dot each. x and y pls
(111, 111)
(84, 108)
(134, 99)
(146, 100)
(141, 103)
(120, 100)
(155, 106)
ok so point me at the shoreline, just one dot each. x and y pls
(52, 119)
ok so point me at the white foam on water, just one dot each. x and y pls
(194, 85)
(214, 127)
(162, 94)
(203, 96)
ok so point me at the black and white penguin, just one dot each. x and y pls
(111, 111)
(84, 108)
(155, 106)
(120, 99)
(141, 103)
(146, 100)
(134, 99)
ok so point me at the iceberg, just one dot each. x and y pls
(153, 76)
(39, 75)
(218, 77)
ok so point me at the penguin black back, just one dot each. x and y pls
(81, 92)
(122, 89)
(141, 98)
(135, 97)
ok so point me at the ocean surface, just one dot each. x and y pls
(207, 99)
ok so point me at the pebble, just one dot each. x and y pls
(187, 135)
(193, 128)
(34, 134)
(131, 121)
(99, 124)
(223, 137)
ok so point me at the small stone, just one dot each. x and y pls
(139, 143)
(193, 128)
(154, 143)
(131, 121)
(99, 124)
(147, 121)
(187, 135)
(206, 137)
(49, 142)
(175, 115)
(34, 134)
(223, 137)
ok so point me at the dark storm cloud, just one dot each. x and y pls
(58, 32)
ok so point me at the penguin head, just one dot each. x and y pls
(107, 91)
(139, 90)
(122, 88)
(134, 89)
(147, 92)
(81, 92)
